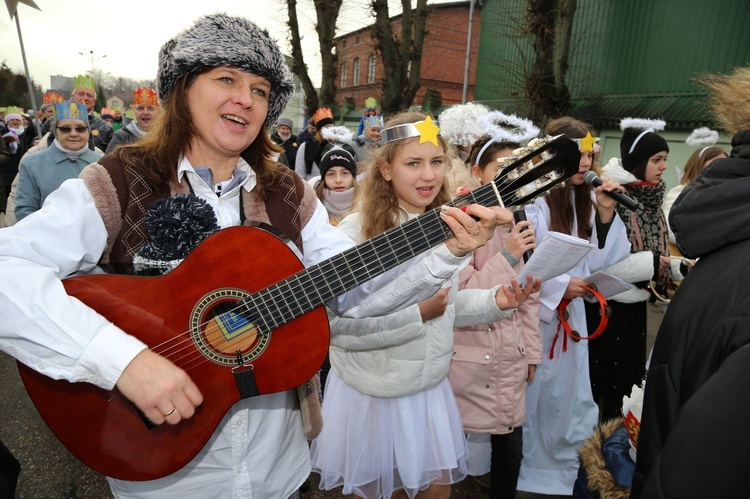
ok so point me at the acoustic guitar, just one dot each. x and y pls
(253, 327)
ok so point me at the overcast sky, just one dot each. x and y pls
(130, 33)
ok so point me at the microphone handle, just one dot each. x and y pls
(625, 200)
(519, 216)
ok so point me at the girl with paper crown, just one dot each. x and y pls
(392, 425)
(560, 411)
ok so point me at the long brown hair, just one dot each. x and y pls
(562, 212)
(695, 162)
(376, 201)
(156, 154)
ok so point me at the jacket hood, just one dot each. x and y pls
(614, 171)
(713, 211)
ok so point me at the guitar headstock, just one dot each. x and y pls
(542, 165)
(533, 170)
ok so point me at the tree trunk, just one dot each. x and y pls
(550, 22)
(327, 12)
(402, 56)
(299, 67)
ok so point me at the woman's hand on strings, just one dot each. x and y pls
(160, 389)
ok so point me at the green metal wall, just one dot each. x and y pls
(628, 57)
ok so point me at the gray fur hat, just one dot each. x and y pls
(222, 40)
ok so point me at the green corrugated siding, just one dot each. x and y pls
(627, 56)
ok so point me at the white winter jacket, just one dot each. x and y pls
(397, 355)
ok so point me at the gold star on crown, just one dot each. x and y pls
(426, 130)
(587, 142)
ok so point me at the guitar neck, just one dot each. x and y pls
(293, 297)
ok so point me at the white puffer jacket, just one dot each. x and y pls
(397, 355)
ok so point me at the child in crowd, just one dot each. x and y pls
(338, 181)
(392, 425)
(307, 162)
(493, 363)
(560, 411)
(369, 139)
(695, 164)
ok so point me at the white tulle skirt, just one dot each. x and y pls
(374, 446)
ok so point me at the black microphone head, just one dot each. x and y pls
(590, 177)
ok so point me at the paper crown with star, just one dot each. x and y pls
(71, 110)
(53, 98)
(145, 96)
(84, 81)
(586, 143)
(426, 130)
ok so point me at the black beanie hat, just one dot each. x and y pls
(337, 155)
(636, 146)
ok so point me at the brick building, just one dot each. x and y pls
(443, 57)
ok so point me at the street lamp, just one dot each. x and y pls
(92, 59)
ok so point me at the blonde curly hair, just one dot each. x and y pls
(375, 199)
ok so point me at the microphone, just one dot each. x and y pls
(520, 216)
(593, 179)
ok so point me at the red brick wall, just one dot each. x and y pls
(443, 57)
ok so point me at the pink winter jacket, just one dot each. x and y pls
(490, 362)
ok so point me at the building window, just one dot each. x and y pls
(371, 69)
(356, 40)
(343, 75)
(355, 76)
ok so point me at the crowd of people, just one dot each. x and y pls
(440, 366)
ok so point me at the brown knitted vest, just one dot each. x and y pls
(123, 196)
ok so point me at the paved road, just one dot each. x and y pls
(49, 471)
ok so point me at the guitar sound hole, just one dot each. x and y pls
(220, 327)
(228, 331)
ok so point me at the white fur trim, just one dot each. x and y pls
(614, 170)
(643, 124)
(702, 137)
(339, 134)
(522, 129)
(459, 124)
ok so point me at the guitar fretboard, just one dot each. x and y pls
(294, 296)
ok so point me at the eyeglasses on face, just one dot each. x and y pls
(78, 129)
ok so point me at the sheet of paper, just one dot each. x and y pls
(607, 284)
(555, 255)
